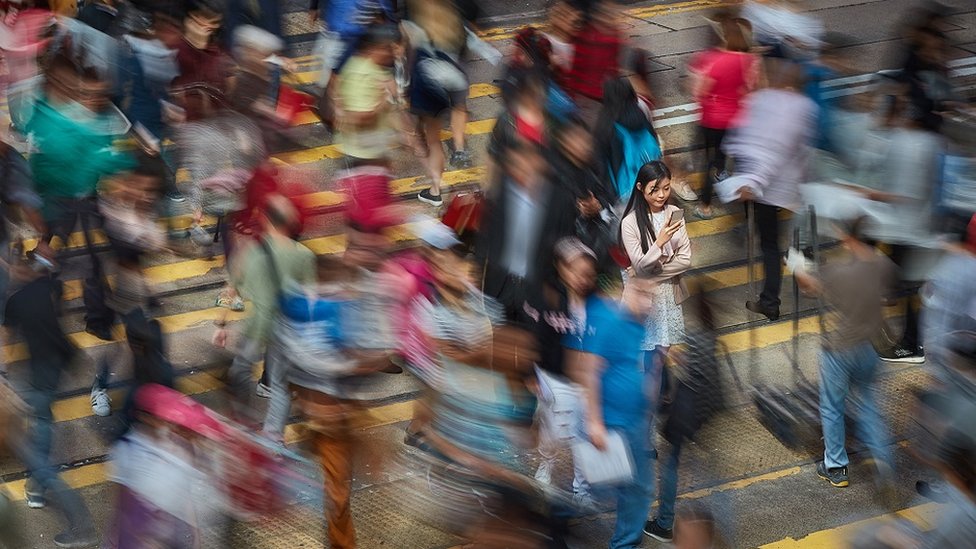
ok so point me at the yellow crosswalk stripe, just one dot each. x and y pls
(15, 352)
(924, 516)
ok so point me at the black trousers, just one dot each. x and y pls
(714, 160)
(63, 215)
(768, 226)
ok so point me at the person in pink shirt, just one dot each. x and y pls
(721, 78)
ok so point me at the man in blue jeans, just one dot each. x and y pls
(853, 287)
(604, 361)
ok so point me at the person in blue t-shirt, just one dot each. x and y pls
(605, 361)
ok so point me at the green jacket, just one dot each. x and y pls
(71, 155)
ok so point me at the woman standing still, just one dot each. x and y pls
(720, 78)
(654, 236)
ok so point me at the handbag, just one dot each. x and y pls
(464, 212)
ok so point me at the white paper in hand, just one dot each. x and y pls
(613, 466)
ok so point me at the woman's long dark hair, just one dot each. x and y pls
(651, 173)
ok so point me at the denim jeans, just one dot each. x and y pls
(668, 486)
(850, 372)
(249, 353)
(634, 499)
(35, 452)
(276, 418)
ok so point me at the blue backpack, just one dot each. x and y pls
(639, 147)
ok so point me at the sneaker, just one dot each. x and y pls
(34, 495)
(544, 473)
(200, 236)
(263, 391)
(836, 476)
(461, 160)
(654, 530)
(73, 538)
(100, 331)
(684, 191)
(176, 196)
(101, 403)
(769, 312)
(901, 353)
(434, 200)
(702, 213)
(235, 303)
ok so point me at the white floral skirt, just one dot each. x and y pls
(665, 324)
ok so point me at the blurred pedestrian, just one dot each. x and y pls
(697, 396)
(313, 361)
(131, 225)
(949, 299)
(73, 125)
(771, 149)
(597, 48)
(565, 19)
(636, 70)
(366, 99)
(524, 216)
(199, 88)
(34, 309)
(439, 84)
(653, 234)
(604, 361)
(560, 314)
(624, 138)
(572, 166)
(853, 287)
(479, 419)
(262, 273)
(721, 77)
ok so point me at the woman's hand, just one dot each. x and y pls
(668, 232)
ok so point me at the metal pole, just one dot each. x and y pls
(815, 238)
(750, 264)
(796, 305)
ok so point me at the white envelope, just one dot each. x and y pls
(613, 466)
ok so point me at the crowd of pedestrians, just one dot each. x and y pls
(568, 329)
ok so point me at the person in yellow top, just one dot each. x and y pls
(366, 98)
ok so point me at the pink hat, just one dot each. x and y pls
(174, 407)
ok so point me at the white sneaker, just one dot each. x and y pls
(544, 473)
(101, 403)
(263, 391)
(684, 191)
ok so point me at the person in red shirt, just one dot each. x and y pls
(596, 57)
(201, 62)
(721, 78)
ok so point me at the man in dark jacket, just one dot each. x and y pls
(525, 214)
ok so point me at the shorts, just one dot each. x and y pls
(431, 98)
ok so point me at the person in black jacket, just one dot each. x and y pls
(525, 214)
(573, 170)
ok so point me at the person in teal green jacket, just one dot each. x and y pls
(73, 130)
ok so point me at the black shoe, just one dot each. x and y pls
(836, 476)
(73, 538)
(432, 199)
(654, 530)
(100, 331)
(934, 492)
(461, 160)
(902, 353)
(769, 312)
